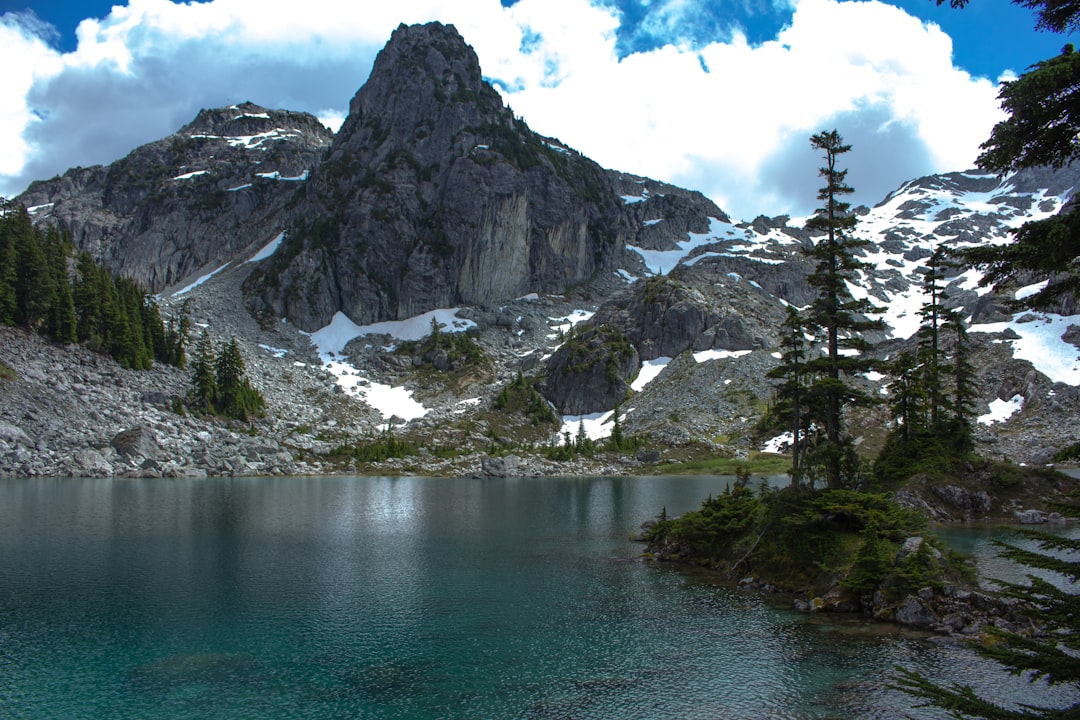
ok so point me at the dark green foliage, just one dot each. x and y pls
(383, 448)
(236, 398)
(871, 563)
(46, 287)
(219, 384)
(1070, 452)
(203, 375)
(789, 411)
(521, 397)
(1043, 128)
(460, 348)
(1048, 248)
(794, 538)
(837, 316)
(931, 395)
(1044, 117)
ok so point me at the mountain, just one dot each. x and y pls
(331, 257)
(433, 195)
(188, 202)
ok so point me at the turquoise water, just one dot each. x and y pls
(407, 598)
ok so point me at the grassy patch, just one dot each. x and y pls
(757, 464)
(7, 373)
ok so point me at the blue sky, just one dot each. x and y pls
(716, 95)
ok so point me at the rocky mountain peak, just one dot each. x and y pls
(425, 87)
(434, 195)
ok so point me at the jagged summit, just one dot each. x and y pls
(434, 195)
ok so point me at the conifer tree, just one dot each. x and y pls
(835, 313)
(203, 374)
(929, 335)
(790, 407)
(234, 395)
(964, 392)
(34, 286)
(7, 262)
(906, 396)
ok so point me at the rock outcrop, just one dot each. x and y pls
(191, 202)
(434, 195)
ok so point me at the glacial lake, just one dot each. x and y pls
(349, 597)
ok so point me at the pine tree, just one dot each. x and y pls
(929, 335)
(34, 286)
(964, 391)
(790, 408)
(8, 209)
(834, 312)
(203, 374)
(236, 398)
(907, 401)
(1042, 128)
(617, 440)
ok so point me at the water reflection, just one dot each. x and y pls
(403, 598)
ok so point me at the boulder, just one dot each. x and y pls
(499, 467)
(13, 435)
(1030, 517)
(137, 443)
(970, 502)
(90, 463)
(914, 612)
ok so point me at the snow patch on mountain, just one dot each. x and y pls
(1039, 341)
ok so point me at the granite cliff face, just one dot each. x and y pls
(434, 195)
(190, 202)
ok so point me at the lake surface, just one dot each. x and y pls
(409, 598)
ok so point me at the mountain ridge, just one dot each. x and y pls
(603, 288)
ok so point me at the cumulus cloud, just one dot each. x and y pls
(727, 116)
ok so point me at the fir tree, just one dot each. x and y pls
(203, 374)
(790, 410)
(834, 312)
(235, 396)
(964, 392)
(906, 396)
(8, 209)
(929, 335)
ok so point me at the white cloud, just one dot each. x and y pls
(24, 55)
(661, 114)
(737, 130)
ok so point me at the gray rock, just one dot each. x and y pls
(499, 467)
(147, 217)
(137, 443)
(90, 463)
(13, 435)
(452, 199)
(913, 612)
(1030, 517)
(971, 503)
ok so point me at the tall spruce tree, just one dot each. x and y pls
(835, 313)
(929, 334)
(789, 410)
(204, 374)
(7, 262)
